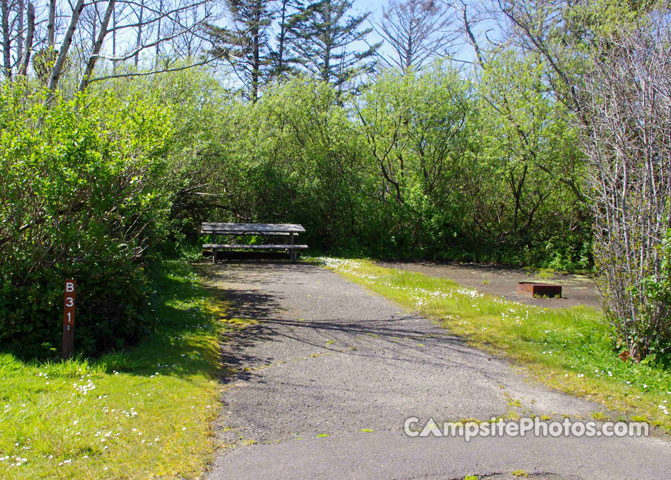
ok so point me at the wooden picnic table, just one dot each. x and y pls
(236, 230)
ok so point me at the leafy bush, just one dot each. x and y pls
(630, 175)
(78, 199)
(655, 321)
(416, 165)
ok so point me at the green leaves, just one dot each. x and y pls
(529, 153)
(77, 183)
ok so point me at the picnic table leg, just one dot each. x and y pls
(292, 252)
(214, 250)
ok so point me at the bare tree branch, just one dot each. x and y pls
(154, 72)
(6, 42)
(97, 45)
(469, 33)
(65, 46)
(416, 30)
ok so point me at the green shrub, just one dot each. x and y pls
(79, 198)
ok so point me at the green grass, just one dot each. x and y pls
(568, 349)
(145, 413)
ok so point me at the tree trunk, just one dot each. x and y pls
(6, 41)
(93, 58)
(158, 35)
(328, 39)
(256, 62)
(138, 42)
(114, 25)
(281, 39)
(28, 46)
(51, 25)
(20, 35)
(65, 46)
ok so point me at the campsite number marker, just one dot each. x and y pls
(69, 319)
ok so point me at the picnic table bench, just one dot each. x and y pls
(287, 231)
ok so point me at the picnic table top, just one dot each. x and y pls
(251, 228)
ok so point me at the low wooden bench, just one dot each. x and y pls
(264, 229)
(231, 246)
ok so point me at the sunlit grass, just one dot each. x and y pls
(568, 349)
(145, 413)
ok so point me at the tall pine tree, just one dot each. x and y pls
(324, 37)
(245, 45)
(283, 57)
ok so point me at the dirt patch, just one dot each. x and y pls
(494, 280)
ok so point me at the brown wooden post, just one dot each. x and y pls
(69, 319)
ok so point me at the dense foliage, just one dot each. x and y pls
(629, 146)
(430, 164)
(608, 63)
(511, 161)
(79, 199)
(416, 165)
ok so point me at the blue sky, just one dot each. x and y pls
(374, 6)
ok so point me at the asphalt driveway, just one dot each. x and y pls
(321, 387)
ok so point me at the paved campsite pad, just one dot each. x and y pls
(323, 384)
(501, 281)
